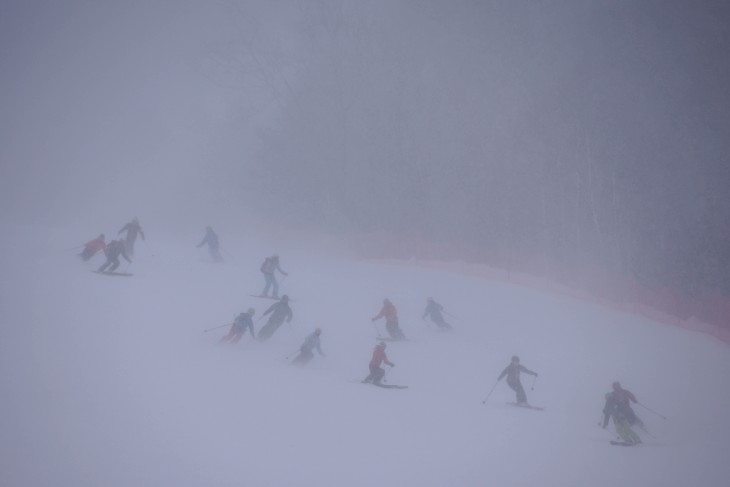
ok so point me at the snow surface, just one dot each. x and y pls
(111, 381)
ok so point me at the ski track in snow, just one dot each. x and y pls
(111, 381)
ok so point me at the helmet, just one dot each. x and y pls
(101, 236)
(285, 298)
(616, 386)
(251, 311)
(515, 358)
(318, 331)
(381, 345)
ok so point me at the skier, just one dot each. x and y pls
(280, 311)
(269, 267)
(376, 371)
(512, 371)
(617, 408)
(113, 251)
(625, 398)
(239, 326)
(211, 239)
(132, 228)
(92, 247)
(434, 309)
(305, 351)
(391, 320)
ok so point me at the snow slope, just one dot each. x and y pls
(111, 381)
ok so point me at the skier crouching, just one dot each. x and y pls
(242, 322)
(512, 371)
(435, 310)
(376, 371)
(92, 247)
(305, 351)
(113, 251)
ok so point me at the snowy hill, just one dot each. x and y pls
(111, 381)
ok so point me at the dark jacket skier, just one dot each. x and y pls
(239, 326)
(280, 311)
(435, 310)
(618, 409)
(512, 371)
(391, 320)
(133, 229)
(113, 251)
(211, 239)
(376, 371)
(268, 268)
(92, 247)
(626, 397)
(310, 343)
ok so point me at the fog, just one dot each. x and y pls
(578, 148)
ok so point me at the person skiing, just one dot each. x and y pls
(132, 228)
(92, 247)
(268, 268)
(305, 351)
(242, 322)
(625, 398)
(280, 311)
(211, 239)
(435, 310)
(512, 371)
(376, 371)
(616, 407)
(391, 320)
(113, 251)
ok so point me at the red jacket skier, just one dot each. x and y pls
(391, 320)
(92, 247)
(376, 371)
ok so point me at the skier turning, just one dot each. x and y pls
(617, 408)
(305, 351)
(268, 268)
(242, 322)
(512, 371)
(92, 247)
(113, 251)
(132, 228)
(376, 371)
(391, 320)
(280, 311)
(211, 239)
(625, 398)
(435, 310)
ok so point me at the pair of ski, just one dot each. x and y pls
(381, 385)
(108, 273)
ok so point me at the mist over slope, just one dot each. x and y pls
(111, 380)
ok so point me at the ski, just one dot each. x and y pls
(526, 406)
(390, 386)
(621, 443)
(126, 274)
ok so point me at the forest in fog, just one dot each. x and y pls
(582, 133)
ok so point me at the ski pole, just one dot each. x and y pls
(650, 409)
(449, 314)
(216, 327)
(377, 330)
(69, 249)
(490, 392)
(149, 247)
(534, 379)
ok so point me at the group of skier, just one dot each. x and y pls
(114, 249)
(617, 402)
